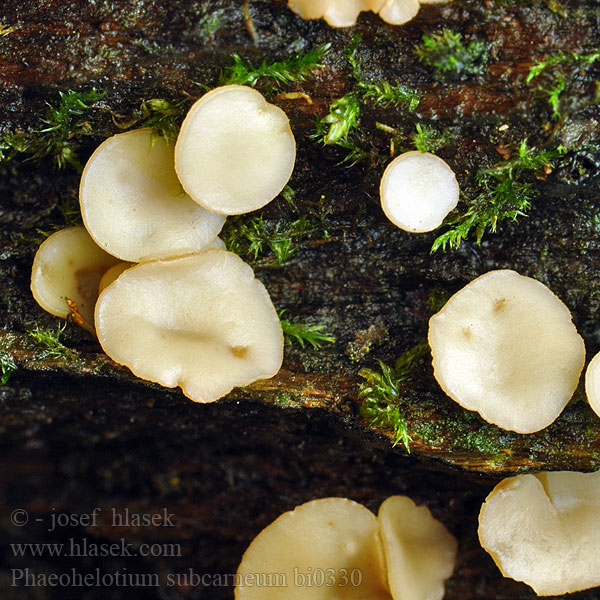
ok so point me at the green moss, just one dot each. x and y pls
(61, 128)
(503, 194)
(428, 139)
(379, 92)
(210, 23)
(379, 395)
(437, 299)
(449, 57)
(574, 58)
(284, 399)
(49, 343)
(7, 365)
(164, 117)
(293, 69)
(343, 119)
(554, 75)
(255, 236)
(302, 333)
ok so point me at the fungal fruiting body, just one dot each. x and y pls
(335, 535)
(200, 321)
(592, 383)
(417, 191)
(419, 551)
(112, 274)
(544, 530)
(67, 268)
(506, 347)
(235, 151)
(133, 205)
(402, 554)
(343, 13)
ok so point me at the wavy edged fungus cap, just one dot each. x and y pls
(420, 552)
(200, 321)
(417, 191)
(402, 554)
(592, 383)
(506, 347)
(69, 266)
(235, 151)
(133, 205)
(544, 529)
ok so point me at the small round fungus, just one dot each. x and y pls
(68, 266)
(592, 383)
(235, 151)
(417, 191)
(133, 205)
(544, 530)
(402, 554)
(420, 552)
(200, 321)
(506, 347)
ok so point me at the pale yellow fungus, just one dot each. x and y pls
(66, 271)
(420, 552)
(133, 205)
(235, 151)
(343, 13)
(506, 347)
(334, 548)
(592, 383)
(417, 191)
(544, 529)
(200, 321)
(112, 274)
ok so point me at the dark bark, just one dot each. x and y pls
(80, 434)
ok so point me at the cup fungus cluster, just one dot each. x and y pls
(544, 530)
(190, 314)
(403, 553)
(343, 13)
(193, 315)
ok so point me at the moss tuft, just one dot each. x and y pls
(449, 57)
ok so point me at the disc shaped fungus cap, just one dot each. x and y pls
(505, 346)
(67, 268)
(417, 191)
(592, 383)
(200, 321)
(235, 151)
(420, 552)
(335, 537)
(133, 205)
(544, 529)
